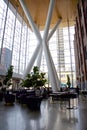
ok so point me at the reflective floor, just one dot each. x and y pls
(52, 116)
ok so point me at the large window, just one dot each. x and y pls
(19, 42)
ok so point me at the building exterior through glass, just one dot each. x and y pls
(18, 42)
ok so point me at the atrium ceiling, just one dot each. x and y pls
(65, 9)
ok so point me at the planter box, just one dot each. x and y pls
(34, 102)
(1, 96)
(9, 98)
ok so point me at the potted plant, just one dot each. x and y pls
(9, 97)
(8, 77)
(68, 81)
(69, 95)
(34, 80)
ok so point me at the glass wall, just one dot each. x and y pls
(16, 37)
(18, 42)
(69, 58)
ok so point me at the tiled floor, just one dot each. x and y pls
(51, 116)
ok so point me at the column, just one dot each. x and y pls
(49, 36)
(51, 68)
(37, 33)
(43, 42)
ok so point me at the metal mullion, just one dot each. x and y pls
(13, 35)
(59, 54)
(20, 46)
(4, 31)
(70, 50)
(26, 46)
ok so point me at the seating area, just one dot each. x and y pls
(33, 100)
(65, 97)
(29, 97)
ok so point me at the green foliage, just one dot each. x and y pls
(8, 76)
(35, 79)
(68, 81)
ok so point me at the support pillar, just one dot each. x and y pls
(32, 60)
(37, 33)
(51, 68)
(39, 57)
(49, 36)
(31, 22)
(50, 64)
(54, 29)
